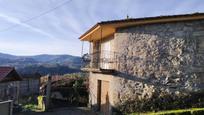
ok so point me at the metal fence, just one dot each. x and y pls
(6, 107)
(100, 60)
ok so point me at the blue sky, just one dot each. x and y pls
(58, 31)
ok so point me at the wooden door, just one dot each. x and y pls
(105, 98)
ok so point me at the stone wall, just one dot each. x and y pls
(93, 88)
(159, 60)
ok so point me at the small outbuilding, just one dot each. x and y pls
(9, 84)
(30, 85)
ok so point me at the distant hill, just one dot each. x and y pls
(8, 56)
(44, 64)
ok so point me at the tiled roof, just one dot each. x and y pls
(4, 71)
(144, 20)
(151, 18)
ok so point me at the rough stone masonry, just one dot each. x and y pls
(159, 66)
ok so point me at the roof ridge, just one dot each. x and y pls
(5, 70)
(143, 20)
(152, 17)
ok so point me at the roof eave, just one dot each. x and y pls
(140, 21)
(91, 30)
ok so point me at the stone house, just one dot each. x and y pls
(30, 84)
(9, 84)
(146, 64)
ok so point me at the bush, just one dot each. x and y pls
(164, 102)
(192, 111)
(73, 89)
(30, 107)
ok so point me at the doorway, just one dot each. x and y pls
(103, 97)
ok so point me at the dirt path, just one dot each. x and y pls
(62, 111)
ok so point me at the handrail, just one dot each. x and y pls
(100, 60)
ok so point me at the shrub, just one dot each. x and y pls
(164, 102)
(192, 111)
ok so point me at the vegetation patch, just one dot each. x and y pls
(31, 107)
(162, 103)
(192, 111)
(69, 90)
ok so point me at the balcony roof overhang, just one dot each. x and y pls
(97, 32)
(107, 28)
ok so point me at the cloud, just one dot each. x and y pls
(18, 22)
(57, 31)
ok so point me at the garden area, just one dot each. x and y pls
(69, 90)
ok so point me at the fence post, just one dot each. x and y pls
(18, 91)
(48, 92)
(11, 107)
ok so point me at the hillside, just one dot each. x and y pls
(44, 64)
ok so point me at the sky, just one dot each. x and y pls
(57, 31)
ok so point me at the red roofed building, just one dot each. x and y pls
(9, 84)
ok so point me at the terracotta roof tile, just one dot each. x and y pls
(4, 71)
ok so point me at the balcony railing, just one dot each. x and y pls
(103, 60)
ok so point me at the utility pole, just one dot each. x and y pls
(48, 92)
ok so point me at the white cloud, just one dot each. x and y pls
(57, 31)
(17, 22)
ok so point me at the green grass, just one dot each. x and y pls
(193, 111)
(31, 107)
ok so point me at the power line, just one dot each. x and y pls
(37, 16)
